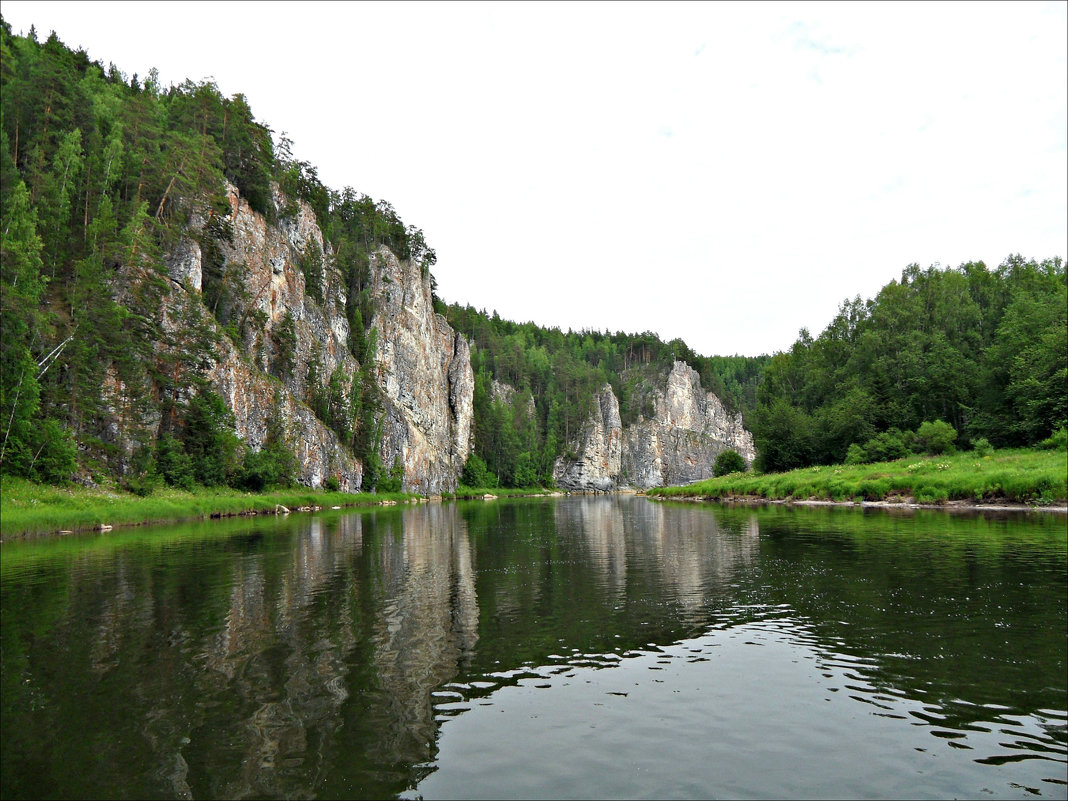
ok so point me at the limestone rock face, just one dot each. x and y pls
(259, 292)
(508, 395)
(689, 430)
(679, 444)
(239, 312)
(424, 369)
(263, 260)
(599, 449)
(249, 393)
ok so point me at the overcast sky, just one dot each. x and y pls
(724, 173)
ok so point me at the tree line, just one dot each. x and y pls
(982, 351)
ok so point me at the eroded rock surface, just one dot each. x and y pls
(424, 369)
(677, 445)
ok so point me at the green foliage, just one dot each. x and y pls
(49, 454)
(784, 436)
(982, 447)
(476, 475)
(142, 479)
(561, 372)
(310, 262)
(394, 481)
(209, 440)
(1057, 442)
(856, 455)
(886, 446)
(285, 346)
(100, 175)
(1017, 475)
(936, 437)
(273, 466)
(729, 461)
(173, 463)
(984, 351)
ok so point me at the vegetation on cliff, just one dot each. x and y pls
(516, 443)
(101, 172)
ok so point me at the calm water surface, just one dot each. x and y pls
(541, 648)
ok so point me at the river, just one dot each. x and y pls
(580, 647)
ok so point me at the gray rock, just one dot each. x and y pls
(679, 444)
(424, 369)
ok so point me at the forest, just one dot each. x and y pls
(983, 352)
(99, 169)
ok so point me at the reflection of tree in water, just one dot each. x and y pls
(298, 658)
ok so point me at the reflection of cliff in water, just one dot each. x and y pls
(334, 658)
(687, 551)
(279, 663)
(288, 659)
(425, 628)
(302, 657)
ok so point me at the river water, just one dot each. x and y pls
(584, 647)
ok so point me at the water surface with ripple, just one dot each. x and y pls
(541, 648)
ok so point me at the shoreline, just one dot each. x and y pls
(906, 504)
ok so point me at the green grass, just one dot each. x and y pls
(28, 508)
(1036, 477)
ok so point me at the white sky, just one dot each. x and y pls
(721, 172)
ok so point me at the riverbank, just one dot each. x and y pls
(29, 509)
(1019, 478)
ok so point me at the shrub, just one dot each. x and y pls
(1057, 442)
(395, 481)
(173, 463)
(928, 494)
(272, 466)
(937, 437)
(55, 457)
(332, 484)
(856, 455)
(476, 475)
(887, 446)
(728, 462)
(982, 447)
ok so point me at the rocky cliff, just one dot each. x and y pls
(424, 369)
(678, 444)
(237, 312)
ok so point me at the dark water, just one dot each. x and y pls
(571, 648)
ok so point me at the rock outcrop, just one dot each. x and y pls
(679, 444)
(238, 313)
(424, 369)
(599, 449)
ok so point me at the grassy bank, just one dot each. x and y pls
(28, 508)
(1036, 477)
